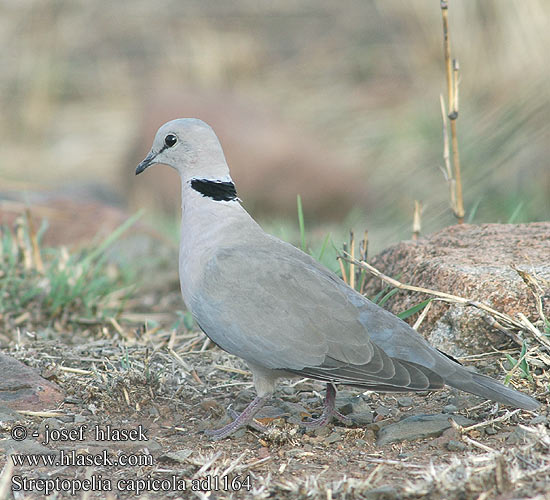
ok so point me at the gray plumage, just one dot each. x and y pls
(276, 307)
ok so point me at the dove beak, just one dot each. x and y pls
(148, 161)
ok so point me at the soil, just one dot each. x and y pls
(168, 388)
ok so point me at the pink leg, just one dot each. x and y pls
(245, 418)
(329, 411)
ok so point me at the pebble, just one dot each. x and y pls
(9, 415)
(80, 419)
(518, 436)
(178, 456)
(333, 438)
(450, 409)
(52, 424)
(453, 445)
(405, 402)
(418, 427)
(382, 411)
(362, 418)
(490, 431)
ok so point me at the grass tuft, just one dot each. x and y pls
(43, 285)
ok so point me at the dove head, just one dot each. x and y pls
(191, 147)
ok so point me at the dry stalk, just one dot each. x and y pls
(523, 325)
(502, 418)
(38, 264)
(24, 251)
(351, 266)
(423, 315)
(5, 479)
(536, 289)
(417, 219)
(452, 74)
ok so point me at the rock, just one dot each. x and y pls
(52, 423)
(456, 446)
(405, 402)
(362, 418)
(8, 415)
(418, 427)
(80, 419)
(382, 411)
(518, 436)
(386, 492)
(178, 456)
(333, 437)
(21, 388)
(474, 262)
(450, 409)
(26, 447)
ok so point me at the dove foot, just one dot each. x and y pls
(245, 418)
(329, 411)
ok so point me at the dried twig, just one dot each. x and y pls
(38, 264)
(451, 70)
(524, 325)
(445, 297)
(417, 219)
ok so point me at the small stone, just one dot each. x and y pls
(450, 409)
(153, 446)
(363, 418)
(382, 411)
(319, 431)
(405, 402)
(52, 424)
(22, 388)
(80, 419)
(540, 419)
(263, 452)
(333, 438)
(178, 456)
(518, 436)
(456, 445)
(418, 427)
(26, 447)
(9, 415)
(360, 442)
(490, 431)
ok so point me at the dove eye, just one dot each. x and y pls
(170, 140)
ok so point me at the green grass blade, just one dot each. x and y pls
(301, 223)
(414, 309)
(117, 233)
(386, 297)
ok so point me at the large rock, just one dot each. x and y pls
(475, 262)
(21, 388)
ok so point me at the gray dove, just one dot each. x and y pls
(280, 310)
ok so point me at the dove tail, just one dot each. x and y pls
(491, 389)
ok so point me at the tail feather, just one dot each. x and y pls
(488, 388)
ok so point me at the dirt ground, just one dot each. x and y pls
(175, 385)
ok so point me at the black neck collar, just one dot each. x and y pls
(216, 190)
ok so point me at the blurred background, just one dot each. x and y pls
(335, 101)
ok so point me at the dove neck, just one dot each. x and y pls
(208, 225)
(209, 208)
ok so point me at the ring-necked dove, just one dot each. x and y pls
(273, 305)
